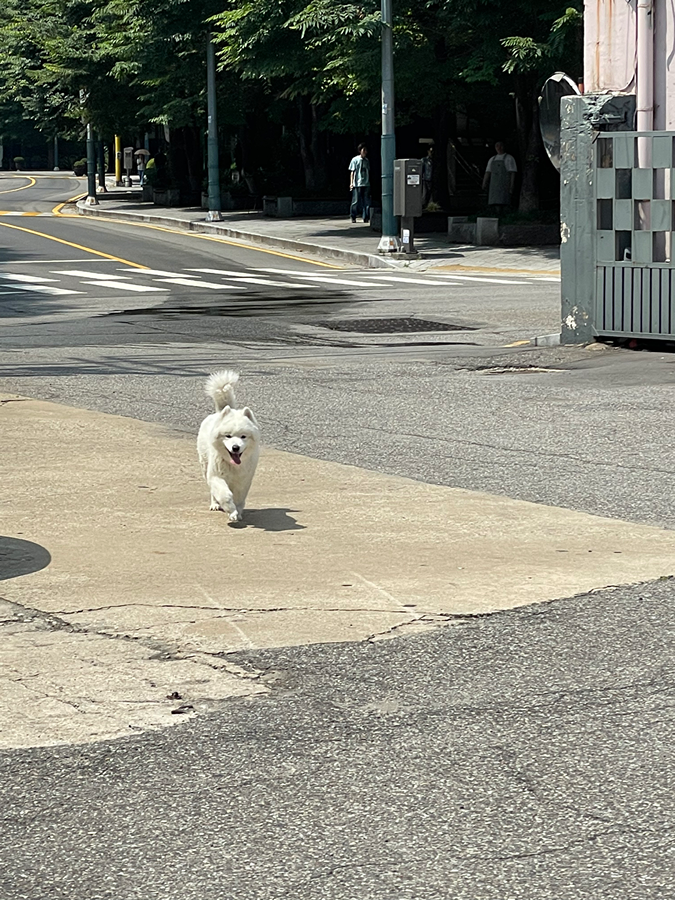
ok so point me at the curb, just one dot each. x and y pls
(351, 256)
(546, 340)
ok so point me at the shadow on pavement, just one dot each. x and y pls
(272, 519)
(19, 557)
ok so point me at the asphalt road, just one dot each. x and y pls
(521, 755)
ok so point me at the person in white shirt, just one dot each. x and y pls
(500, 177)
(359, 184)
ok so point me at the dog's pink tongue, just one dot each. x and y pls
(236, 459)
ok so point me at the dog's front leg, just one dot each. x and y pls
(221, 496)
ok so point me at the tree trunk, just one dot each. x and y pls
(529, 143)
(186, 163)
(311, 145)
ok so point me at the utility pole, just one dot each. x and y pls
(118, 160)
(214, 213)
(101, 164)
(91, 168)
(389, 239)
(56, 153)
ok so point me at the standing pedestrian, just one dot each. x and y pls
(500, 178)
(359, 184)
(427, 177)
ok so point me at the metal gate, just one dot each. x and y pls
(633, 175)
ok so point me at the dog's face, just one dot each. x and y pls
(237, 433)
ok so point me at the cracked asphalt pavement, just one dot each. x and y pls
(524, 755)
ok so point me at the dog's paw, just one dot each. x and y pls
(235, 516)
(214, 506)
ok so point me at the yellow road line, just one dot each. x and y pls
(57, 209)
(516, 344)
(31, 182)
(209, 237)
(50, 237)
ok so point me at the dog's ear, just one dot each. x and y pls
(249, 415)
(225, 411)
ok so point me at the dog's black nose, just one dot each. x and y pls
(235, 448)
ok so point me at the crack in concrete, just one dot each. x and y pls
(232, 609)
(161, 649)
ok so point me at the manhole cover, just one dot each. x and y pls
(392, 326)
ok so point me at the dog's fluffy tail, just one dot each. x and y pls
(220, 387)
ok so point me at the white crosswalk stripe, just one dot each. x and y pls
(31, 279)
(320, 278)
(125, 286)
(191, 282)
(406, 280)
(481, 280)
(40, 289)
(250, 279)
(82, 273)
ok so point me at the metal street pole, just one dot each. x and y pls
(118, 160)
(101, 164)
(389, 239)
(56, 153)
(91, 168)
(214, 213)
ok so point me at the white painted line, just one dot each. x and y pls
(543, 278)
(404, 280)
(293, 272)
(62, 262)
(81, 273)
(44, 289)
(250, 279)
(325, 279)
(33, 279)
(483, 280)
(192, 282)
(124, 286)
(138, 271)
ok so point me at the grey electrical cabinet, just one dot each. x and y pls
(408, 188)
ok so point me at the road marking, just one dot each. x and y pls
(54, 262)
(50, 237)
(155, 272)
(516, 344)
(44, 289)
(11, 212)
(81, 273)
(31, 182)
(30, 278)
(330, 279)
(484, 280)
(404, 280)
(192, 282)
(124, 286)
(250, 278)
(57, 209)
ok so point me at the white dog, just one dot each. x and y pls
(228, 444)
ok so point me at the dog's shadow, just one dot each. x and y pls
(273, 519)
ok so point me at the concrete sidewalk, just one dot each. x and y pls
(333, 238)
(124, 593)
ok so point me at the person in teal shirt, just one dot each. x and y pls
(359, 184)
